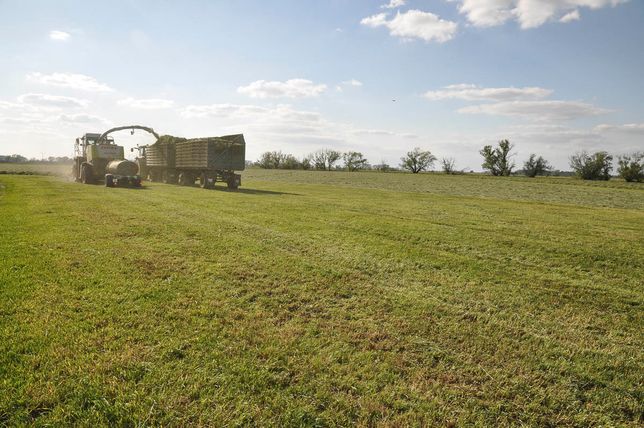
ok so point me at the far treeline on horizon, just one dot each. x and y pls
(497, 161)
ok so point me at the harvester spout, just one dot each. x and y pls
(121, 128)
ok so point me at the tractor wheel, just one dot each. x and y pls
(109, 180)
(86, 174)
(75, 172)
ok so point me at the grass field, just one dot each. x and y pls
(322, 299)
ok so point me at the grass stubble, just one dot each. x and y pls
(322, 299)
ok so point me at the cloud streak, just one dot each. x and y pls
(69, 80)
(476, 93)
(146, 103)
(60, 36)
(554, 110)
(293, 88)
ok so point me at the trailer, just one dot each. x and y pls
(159, 159)
(206, 160)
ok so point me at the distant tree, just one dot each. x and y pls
(271, 160)
(536, 166)
(631, 167)
(290, 162)
(417, 160)
(325, 159)
(497, 160)
(382, 167)
(14, 158)
(592, 167)
(306, 163)
(449, 165)
(354, 161)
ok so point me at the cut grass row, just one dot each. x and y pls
(615, 193)
(317, 304)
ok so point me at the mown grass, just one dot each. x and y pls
(297, 301)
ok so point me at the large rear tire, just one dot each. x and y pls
(87, 177)
(76, 172)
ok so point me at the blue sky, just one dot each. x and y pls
(554, 77)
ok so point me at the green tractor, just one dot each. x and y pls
(97, 158)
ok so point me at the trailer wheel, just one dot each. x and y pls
(232, 183)
(168, 177)
(86, 174)
(186, 179)
(206, 181)
(109, 180)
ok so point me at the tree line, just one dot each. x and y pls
(23, 159)
(497, 161)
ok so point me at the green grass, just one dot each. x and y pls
(322, 299)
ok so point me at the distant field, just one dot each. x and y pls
(41, 168)
(323, 299)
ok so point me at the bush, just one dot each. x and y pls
(631, 167)
(592, 167)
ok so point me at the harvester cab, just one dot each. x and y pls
(97, 157)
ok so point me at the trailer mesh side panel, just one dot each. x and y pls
(215, 153)
(160, 155)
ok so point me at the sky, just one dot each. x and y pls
(380, 77)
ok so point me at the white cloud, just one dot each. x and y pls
(60, 36)
(414, 24)
(475, 93)
(570, 16)
(352, 82)
(629, 128)
(375, 20)
(146, 104)
(81, 118)
(529, 13)
(69, 80)
(373, 132)
(51, 101)
(6, 105)
(393, 4)
(538, 110)
(293, 88)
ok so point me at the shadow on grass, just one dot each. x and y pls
(254, 191)
(99, 184)
(239, 190)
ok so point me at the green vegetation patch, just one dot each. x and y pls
(296, 304)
